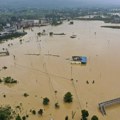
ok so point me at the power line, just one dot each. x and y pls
(55, 75)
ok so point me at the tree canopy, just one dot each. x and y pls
(68, 97)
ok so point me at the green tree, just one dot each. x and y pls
(46, 101)
(85, 114)
(94, 117)
(5, 113)
(18, 117)
(68, 97)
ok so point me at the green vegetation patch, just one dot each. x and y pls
(46, 101)
(68, 97)
(8, 80)
(6, 113)
(12, 35)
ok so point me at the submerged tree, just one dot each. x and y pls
(66, 118)
(25, 94)
(85, 114)
(94, 117)
(40, 112)
(39, 34)
(18, 117)
(33, 112)
(57, 105)
(9, 80)
(24, 118)
(46, 101)
(51, 33)
(68, 97)
(6, 113)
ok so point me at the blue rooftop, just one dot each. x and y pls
(83, 59)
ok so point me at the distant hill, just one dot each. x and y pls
(39, 3)
(53, 3)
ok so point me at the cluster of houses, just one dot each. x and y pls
(32, 23)
(9, 29)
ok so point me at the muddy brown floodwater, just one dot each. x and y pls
(40, 74)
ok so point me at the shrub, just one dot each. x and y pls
(40, 112)
(66, 118)
(25, 95)
(4, 67)
(4, 96)
(39, 34)
(33, 112)
(24, 118)
(51, 33)
(57, 105)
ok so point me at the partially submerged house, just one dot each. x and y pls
(29, 23)
(79, 60)
(4, 53)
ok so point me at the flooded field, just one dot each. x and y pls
(42, 66)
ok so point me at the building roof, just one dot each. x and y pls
(83, 59)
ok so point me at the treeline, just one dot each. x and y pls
(12, 35)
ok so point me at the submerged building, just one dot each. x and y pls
(79, 60)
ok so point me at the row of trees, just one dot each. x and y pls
(85, 115)
(12, 35)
